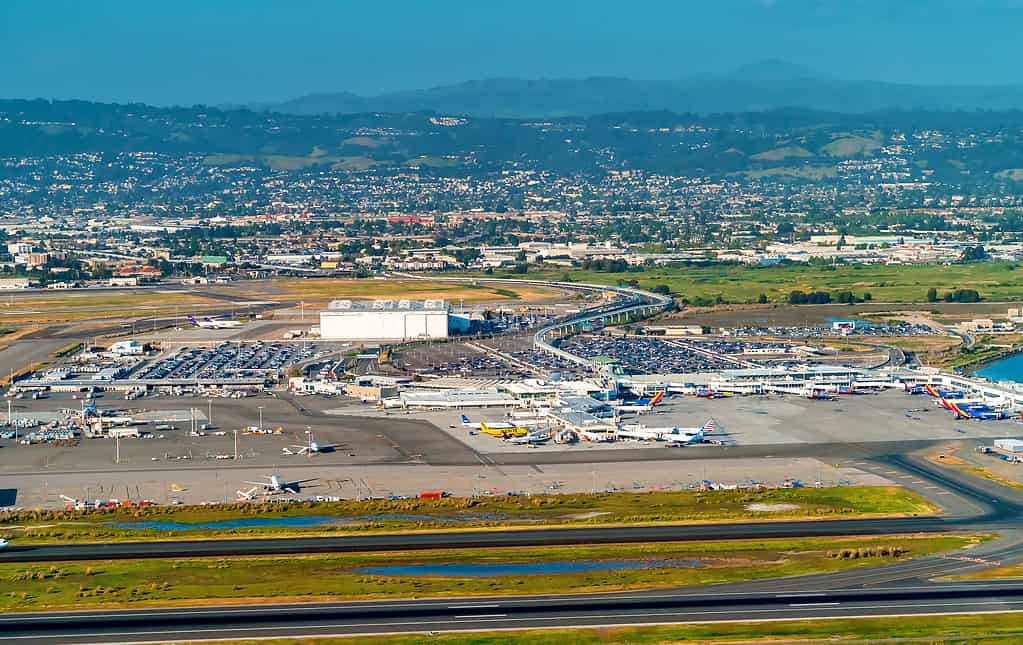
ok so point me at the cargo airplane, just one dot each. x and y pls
(211, 323)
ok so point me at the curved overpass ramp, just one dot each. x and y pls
(632, 304)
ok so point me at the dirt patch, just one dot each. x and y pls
(771, 508)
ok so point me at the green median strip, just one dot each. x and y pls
(439, 573)
(348, 517)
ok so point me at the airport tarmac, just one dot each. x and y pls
(217, 484)
(757, 421)
(398, 452)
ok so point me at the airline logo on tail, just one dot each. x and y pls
(192, 320)
(708, 427)
(930, 390)
(465, 420)
(657, 399)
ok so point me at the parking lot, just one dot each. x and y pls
(229, 360)
(647, 355)
(861, 329)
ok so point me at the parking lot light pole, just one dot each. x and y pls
(209, 412)
(260, 418)
(236, 444)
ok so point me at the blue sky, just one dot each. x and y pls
(221, 51)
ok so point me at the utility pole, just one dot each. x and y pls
(209, 412)
(260, 418)
(117, 454)
(236, 444)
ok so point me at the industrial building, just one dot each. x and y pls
(397, 320)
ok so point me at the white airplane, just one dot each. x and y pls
(598, 437)
(497, 425)
(538, 436)
(685, 436)
(274, 484)
(311, 448)
(210, 323)
(641, 433)
(4, 543)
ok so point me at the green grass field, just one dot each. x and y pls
(993, 280)
(173, 581)
(452, 513)
(976, 629)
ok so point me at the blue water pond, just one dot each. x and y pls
(1007, 369)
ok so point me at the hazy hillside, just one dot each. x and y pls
(751, 89)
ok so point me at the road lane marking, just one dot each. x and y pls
(493, 606)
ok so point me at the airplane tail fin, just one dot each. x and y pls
(192, 320)
(708, 427)
(465, 420)
(657, 399)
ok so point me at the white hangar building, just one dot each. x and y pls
(401, 320)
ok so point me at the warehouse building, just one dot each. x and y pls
(397, 320)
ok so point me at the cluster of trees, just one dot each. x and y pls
(974, 254)
(609, 266)
(823, 297)
(957, 295)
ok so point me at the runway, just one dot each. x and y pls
(481, 539)
(423, 616)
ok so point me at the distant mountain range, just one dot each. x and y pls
(765, 85)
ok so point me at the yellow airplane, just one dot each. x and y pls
(503, 432)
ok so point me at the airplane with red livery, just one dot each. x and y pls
(640, 405)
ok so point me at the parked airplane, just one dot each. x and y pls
(274, 484)
(598, 437)
(705, 393)
(640, 405)
(943, 394)
(533, 438)
(310, 448)
(505, 432)
(496, 425)
(4, 543)
(210, 323)
(979, 411)
(641, 433)
(686, 436)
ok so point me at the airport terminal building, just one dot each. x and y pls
(396, 320)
